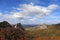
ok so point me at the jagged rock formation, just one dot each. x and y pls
(43, 26)
(4, 24)
(11, 33)
(20, 26)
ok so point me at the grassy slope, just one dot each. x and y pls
(51, 33)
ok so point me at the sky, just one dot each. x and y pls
(30, 11)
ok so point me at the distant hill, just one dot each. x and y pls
(29, 25)
(57, 25)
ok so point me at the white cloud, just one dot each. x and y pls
(53, 6)
(31, 11)
(26, 10)
(0, 14)
(8, 16)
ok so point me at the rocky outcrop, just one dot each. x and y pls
(4, 24)
(12, 33)
(19, 25)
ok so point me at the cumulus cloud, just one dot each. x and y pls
(53, 6)
(31, 12)
(27, 10)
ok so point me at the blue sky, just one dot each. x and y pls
(30, 11)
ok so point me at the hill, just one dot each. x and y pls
(8, 32)
(4, 24)
(51, 33)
